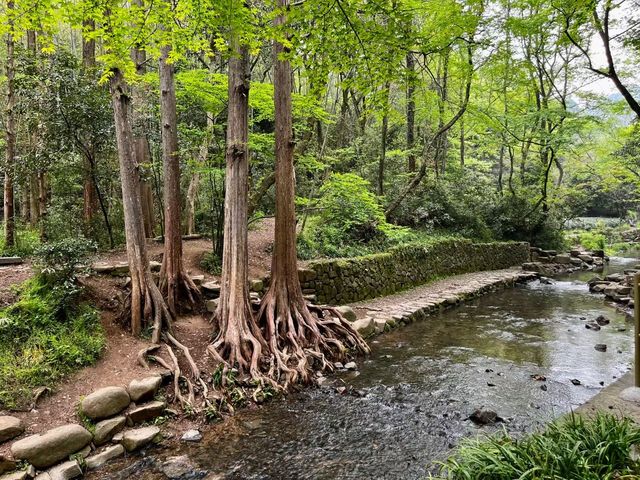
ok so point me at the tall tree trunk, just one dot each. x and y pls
(34, 208)
(89, 194)
(194, 182)
(10, 130)
(143, 152)
(145, 301)
(383, 141)
(238, 342)
(295, 337)
(174, 281)
(411, 110)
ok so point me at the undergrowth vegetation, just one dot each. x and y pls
(572, 449)
(50, 331)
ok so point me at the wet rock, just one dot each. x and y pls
(105, 402)
(46, 449)
(489, 384)
(341, 390)
(10, 427)
(576, 382)
(602, 320)
(586, 258)
(485, 417)
(99, 459)
(138, 438)
(177, 467)
(144, 389)
(351, 366)
(538, 378)
(191, 436)
(600, 347)
(106, 429)
(562, 259)
(338, 365)
(592, 326)
(379, 324)
(66, 471)
(614, 277)
(543, 388)
(145, 412)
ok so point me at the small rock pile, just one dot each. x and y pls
(112, 427)
(550, 262)
(617, 286)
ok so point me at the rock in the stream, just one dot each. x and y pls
(177, 467)
(99, 459)
(485, 417)
(546, 281)
(600, 347)
(364, 326)
(145, 412)
(106, 429)
(138, 438)
(10, 427)
(351, 366)
(576, 382)
(44, 450)
(105, 402)
(592, 326)
(66, 471)
(602, 320)
(191, 436)
(144, 389)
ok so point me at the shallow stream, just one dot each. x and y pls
(408, 404)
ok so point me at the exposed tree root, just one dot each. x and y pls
(178, 286)
(145, 305)
(303, 338)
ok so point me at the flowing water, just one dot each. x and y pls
(408, 404)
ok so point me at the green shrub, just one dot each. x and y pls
(49, 332)
(211, 263)
(350, 221)
(572, 449)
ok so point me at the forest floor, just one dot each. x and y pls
(118, 363)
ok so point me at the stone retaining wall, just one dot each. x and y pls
(350, 280)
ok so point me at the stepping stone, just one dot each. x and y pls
(10, 427)
(138, 438)
(191, 436)
(20, 475)
(105, 402)
(49, 448)
(347, 312)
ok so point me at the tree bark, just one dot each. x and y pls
(238, 342)
(89, 194)
(298, 340)
(10, 131)
(411, 110)
(145, 302)
(383, 142)
(174, 281)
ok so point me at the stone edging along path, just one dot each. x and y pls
(113, 415)
(384, 313)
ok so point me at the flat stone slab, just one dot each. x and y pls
(49, 448)
(138, 438)
(145, 412)
(631, 394)
(105, 402)
(10, 427)
(10, 260)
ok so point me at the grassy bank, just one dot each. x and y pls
(570, 449)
